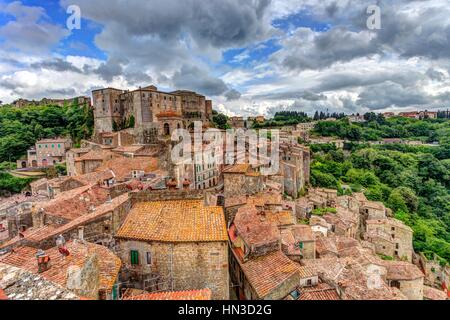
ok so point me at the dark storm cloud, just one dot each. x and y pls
(232, 95)
(56, 64)
(391, 94)
(219, 23)
(196, 79)
(422, 33)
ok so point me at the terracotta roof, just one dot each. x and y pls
(122, 167)
(174, 221)
(253, 228)
(307, 272)
(96, 155)
(269, 272)
(3, 296)
(100, 211)
(402, 270)
(79, 150)
(94, 177)
(32, 234)
(302, 233)
(281, 218)
(20, 284)
(322, 291)
(74, 203)
(266, 198)
(129, 149)
(433, 293)
(109, 263)
(204, 294)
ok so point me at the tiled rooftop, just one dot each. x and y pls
(402, 270)
(94, 177)
(433, 293)
(268, 272)
(254, 227)
(20, 284)
(74, 203)
(204, 294)
(122, 167)
(174, 221)
(109, 263)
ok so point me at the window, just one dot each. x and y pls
(59, 146)
(309, 282)
(134, 257)
(295, 294)
(149, 257)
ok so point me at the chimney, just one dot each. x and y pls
(81, 233)
(43, 261)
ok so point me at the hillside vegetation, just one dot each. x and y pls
(20, 128)
(414, 181)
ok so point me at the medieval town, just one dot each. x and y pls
(128, 223)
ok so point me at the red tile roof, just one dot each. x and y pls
(402, 270)
(204, 294)
(3, 296)
(174, 221)
(109, 263)
(253, 228)
(326, 294)
(122, 167)
(269, 272)
(74, 203)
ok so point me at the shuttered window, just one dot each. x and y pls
(134, 257)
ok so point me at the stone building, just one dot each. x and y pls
(176, 245)
(87, 269)
(270, 277)
(45, 153)
(242, 179)
(295, 163)
(71, 155)
(20, 284)
(114, 108)
(406, 277)
(237, 122)
(383, 231)
(298, 242)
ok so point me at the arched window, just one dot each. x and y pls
(166, 129)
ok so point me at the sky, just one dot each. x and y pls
(251, 57)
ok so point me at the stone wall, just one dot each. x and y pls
(179, 266)
(239, 184)
(412, 289)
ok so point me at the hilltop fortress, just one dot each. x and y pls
(146, 107)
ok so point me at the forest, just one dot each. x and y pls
(414, 181)
(20, 128)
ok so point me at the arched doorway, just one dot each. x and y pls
(24, 164)
(34, 163)
(44, 162)
(166, 129)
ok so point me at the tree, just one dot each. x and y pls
(221, 121)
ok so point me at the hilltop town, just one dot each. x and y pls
(126, 222)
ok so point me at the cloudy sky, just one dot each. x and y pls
(249, 56)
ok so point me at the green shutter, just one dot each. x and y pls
(134, 257)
